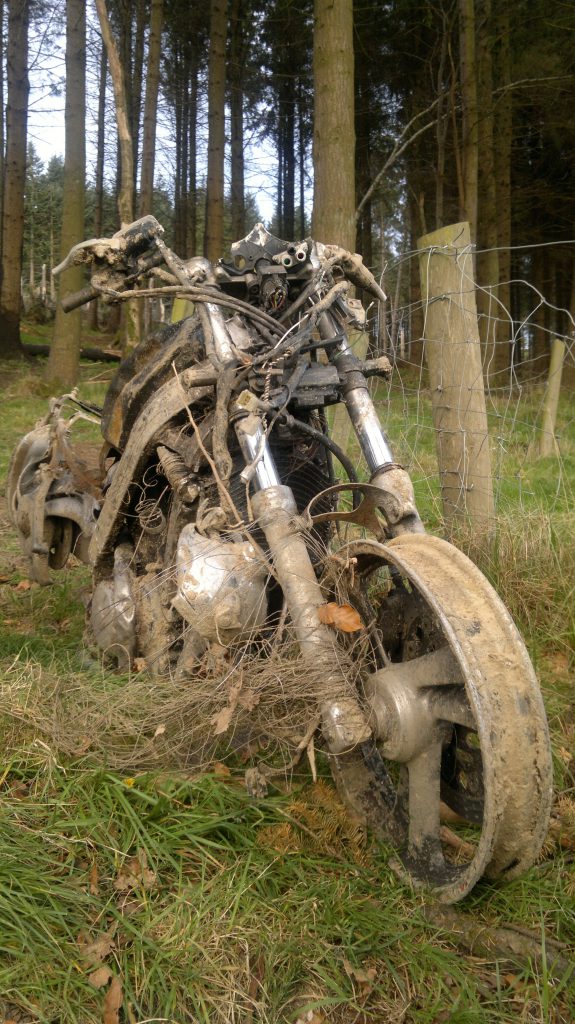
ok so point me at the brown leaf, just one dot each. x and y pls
(99, 949)
(222, 720)
(221, 770)
(135, 874)
(23, 585)
(248, 700)
(340, 616)
(159, 731)
(94, 879)
(100, 977)
(113, 1002)
(139, 664)
(358, 974)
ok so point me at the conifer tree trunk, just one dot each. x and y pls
(470, 119)
(64, 358)
(334, 132)
(1, 121)
(126, 190)
(14, 177)
(214, 228)
(192, 219)
(237, 53)
(494, 353)
(502, 132)
(126, 184)
(288, 190)
(137, 82)
(151, 108)
(99, 171)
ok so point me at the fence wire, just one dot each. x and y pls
(516, 338)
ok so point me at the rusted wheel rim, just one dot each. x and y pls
(490, 719)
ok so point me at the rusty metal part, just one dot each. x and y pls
(113, 609)
(169, 400)
(396, 508)
(475, 683)
(51, 499)
(352, 265)
(343, 723)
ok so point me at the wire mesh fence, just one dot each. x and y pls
(532, 459)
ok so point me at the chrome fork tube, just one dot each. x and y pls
(343, 722)
(358, 401)
(399, 505)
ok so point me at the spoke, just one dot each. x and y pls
(439, 668)
(424, 786)
(451, 705)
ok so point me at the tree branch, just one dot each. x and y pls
(398, 148)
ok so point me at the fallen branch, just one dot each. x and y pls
(96, 355)
(497, 942)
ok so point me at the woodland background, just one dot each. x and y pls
(447, 111)
(136, 889)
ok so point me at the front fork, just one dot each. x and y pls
(343, 721)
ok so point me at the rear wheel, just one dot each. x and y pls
(458, 714)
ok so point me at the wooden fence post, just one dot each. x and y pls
(455, 374)
(547, 442)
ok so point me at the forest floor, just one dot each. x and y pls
(143, 895)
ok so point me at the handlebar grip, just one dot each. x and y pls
(70, 302)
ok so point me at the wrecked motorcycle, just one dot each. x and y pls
(217, 521)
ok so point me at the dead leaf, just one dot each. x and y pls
(84, 744)
(129, 905)
(221, 721)
(100, 977)
(248, 700)
(23, 585)
(139, 664)
(113, 1002)
(5, 579)
(340, 616)
(94, 879)
(222, 770)
(135, 874)
(99, 949)
(358, 974)
(18, 789)
(160, 731)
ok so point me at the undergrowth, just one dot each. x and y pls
(203, 905)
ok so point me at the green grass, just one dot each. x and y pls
(211, 907)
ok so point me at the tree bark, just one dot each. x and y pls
(1, 123)
(236, 74)
(495, 355)
(151, 108)
(192, 218)
(469, 103)
(99, 173)
(64, 358)
(214, 227)
(137, 79)
(334, 132)
(14, 177)
(502, 137)
(126, 184)
(126, 191)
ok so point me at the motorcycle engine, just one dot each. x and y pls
(221, 586)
